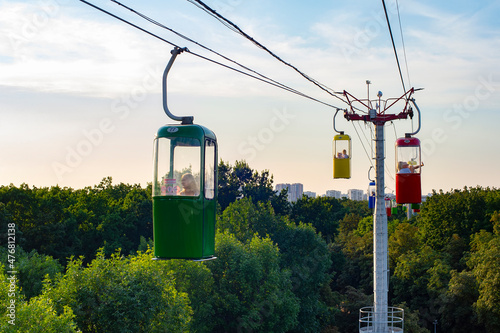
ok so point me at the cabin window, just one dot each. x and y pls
(177, 167)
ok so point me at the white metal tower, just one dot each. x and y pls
(380, 318)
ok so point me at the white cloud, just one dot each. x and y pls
(62, 53)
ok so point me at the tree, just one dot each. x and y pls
(356, 247)
(459, 212)
(120, 295)
(411, 320)
(39, 315)
(485, 264)
(241, 181)
(324, 213)
(402, 241)
(61, 222)
(198, 282)
(31, 270)
(231, 181)
(252, 292)
(303, 252)
(418, 278)
(352, 300)
(280, 203)
(457, 304)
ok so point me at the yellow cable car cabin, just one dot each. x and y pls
(341, 156)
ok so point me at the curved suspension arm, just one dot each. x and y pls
(183, 119)
(335, 129)
(369, 174)
(419, 120)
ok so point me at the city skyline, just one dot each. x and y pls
(353, 194)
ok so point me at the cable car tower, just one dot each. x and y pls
(380, 318)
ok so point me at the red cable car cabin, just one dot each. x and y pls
(408, 170)
(388, 206)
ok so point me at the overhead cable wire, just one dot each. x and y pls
(394, 126)
(234, 27)
(403, 42)
(387, 170)
(284, 87)
(366, 139)
(359, 137)
(201, 45)
(394, 47)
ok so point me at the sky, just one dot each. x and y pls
(81, 94)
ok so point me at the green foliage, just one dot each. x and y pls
(324, 213)
(241, 181)
(411, 279)
(31, 269)
(9, 292)
(485, 264)
(356, 262)
(352, 300)
(196, 280)
(39, 315)
(61, 222)
(402, 241)
(359, 208)
(303, 252)
(252, 292)
(365, 226)
(411, 320)
(457, 304)
(305, 267)
(349, 223)
(121, 295)
(354, 248)
(145, 245)
(461, 213)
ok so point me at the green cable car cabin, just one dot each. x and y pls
(184, 192)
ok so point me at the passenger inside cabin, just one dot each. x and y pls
(403, 167)
(189, 186)
(342, 155)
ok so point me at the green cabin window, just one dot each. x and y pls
(177, 167)
(210, 164)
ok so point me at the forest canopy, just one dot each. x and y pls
(83, 261)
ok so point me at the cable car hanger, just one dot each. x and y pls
(371, 180)
(334, 128)
(185, 120)
(408, 135)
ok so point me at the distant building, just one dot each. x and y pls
(310, 194)
(355, 194)
(334, 194)
(295, 191)
(425, 196)
(281, 187)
